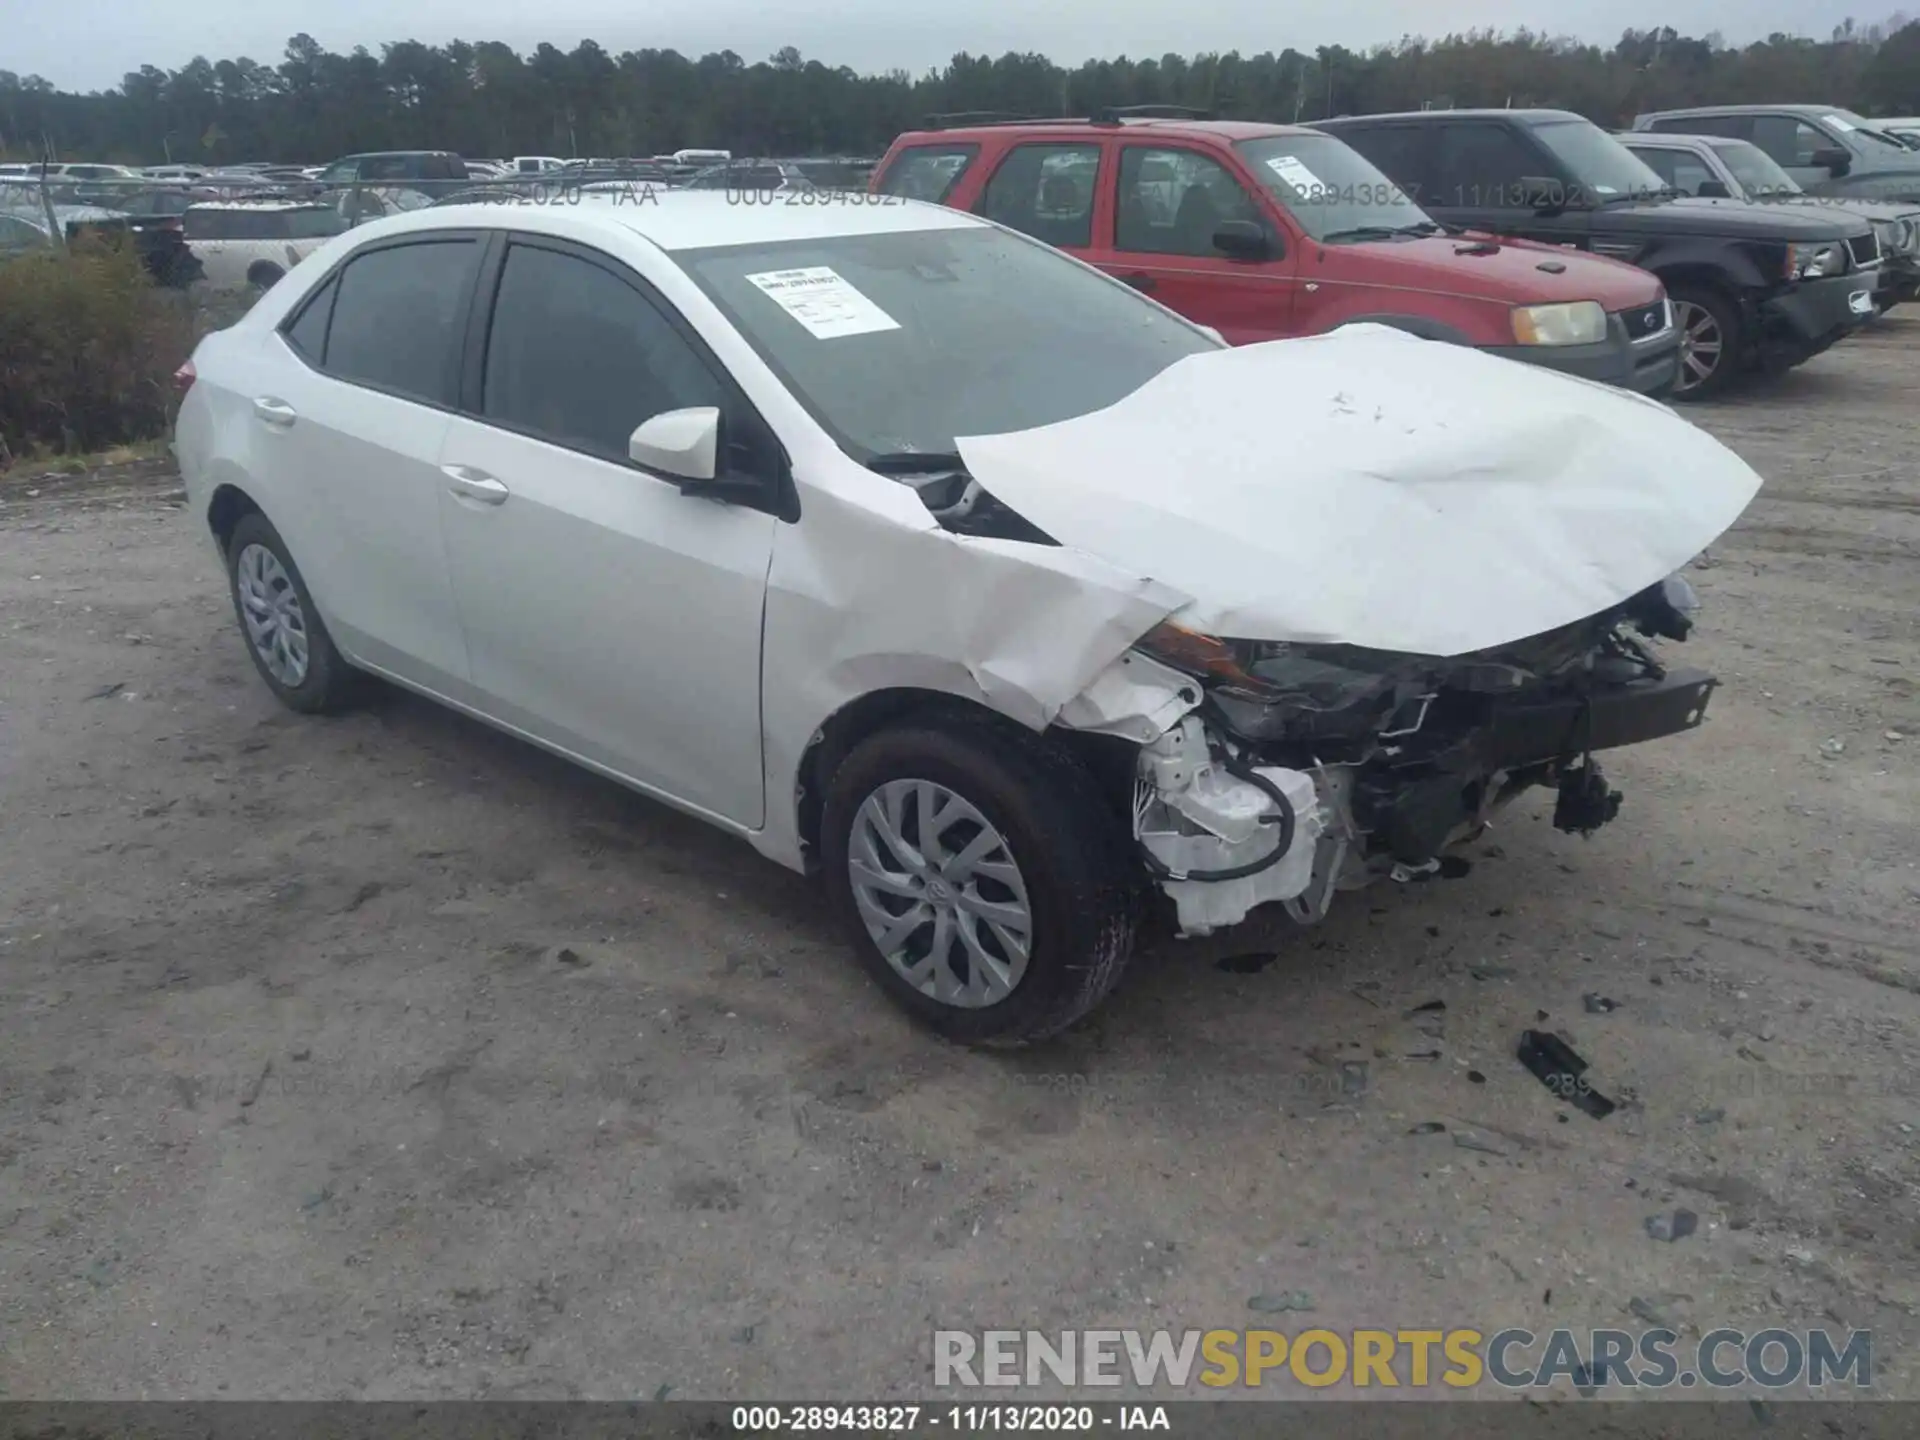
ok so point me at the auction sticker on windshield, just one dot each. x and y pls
(820, 298)
(1296, 174)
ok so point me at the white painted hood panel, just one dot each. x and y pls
(1374, 489)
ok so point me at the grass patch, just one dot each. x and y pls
(88, 347)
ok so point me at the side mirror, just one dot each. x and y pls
(1242, 240)
(1712, 190)
(1834, 161)
(683, 444)
(1544, 194)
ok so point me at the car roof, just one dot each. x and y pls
(1226, 131)
(691, 219)
(1745, 110)
(1480, 114)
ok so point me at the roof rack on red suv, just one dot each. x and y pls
(1263, 232)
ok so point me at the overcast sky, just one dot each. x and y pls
(90, 44)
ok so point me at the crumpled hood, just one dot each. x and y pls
(1374, 489)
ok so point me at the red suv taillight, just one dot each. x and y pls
(184, 377)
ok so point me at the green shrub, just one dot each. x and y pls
(88, 347)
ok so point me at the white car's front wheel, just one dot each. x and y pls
(984, 883)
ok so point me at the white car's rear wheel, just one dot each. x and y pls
(285, 635)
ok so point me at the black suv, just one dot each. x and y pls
(1752, 285)
(1827, 150)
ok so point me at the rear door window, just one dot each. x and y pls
(1398, 152)
(1734, 127)
(398, 317)
(386, 167)
(1046, 191)
(927, 172)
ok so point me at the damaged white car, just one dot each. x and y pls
(934, 561)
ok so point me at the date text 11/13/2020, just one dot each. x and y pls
(957, 1419)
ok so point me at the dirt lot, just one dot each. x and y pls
(385, 1057)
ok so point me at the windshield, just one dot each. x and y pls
(1331, 188)
(1757, 171)
(897, 343)
(1599, 164)
(1859, 125)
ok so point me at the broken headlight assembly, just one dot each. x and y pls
(1817, 262)
(1277, 691)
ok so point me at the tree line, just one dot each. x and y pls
(486, 99)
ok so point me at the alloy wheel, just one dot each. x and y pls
(1702, 345)
(940, 894)
(270, 605)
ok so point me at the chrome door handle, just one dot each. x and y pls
(274, 412)
(471, 484)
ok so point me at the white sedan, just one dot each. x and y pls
(934, 561)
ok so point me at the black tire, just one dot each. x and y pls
(1724, 316)
(1065, 840)
(328, 682)
(264, 275)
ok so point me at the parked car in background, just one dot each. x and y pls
(1752, 285)
(1904, 128)
(160, 245)
(84, 170)
(255, 242)
(1713, 167)
(1268, 231)
(1829, 151)
(534, 164)
(697, 494)
(19, 232)
(837, 172)
(393, 167)
(164, 203)
(763, 176)
(296, 178)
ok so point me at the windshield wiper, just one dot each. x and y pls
(1362, 232)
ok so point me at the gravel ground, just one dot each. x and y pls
(385, 1057)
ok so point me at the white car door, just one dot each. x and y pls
(606, 612)
(350, 414)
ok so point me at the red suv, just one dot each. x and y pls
(1269, 231)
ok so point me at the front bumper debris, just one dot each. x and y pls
(1226, 822)
(1801, 322)
(1523, 732)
